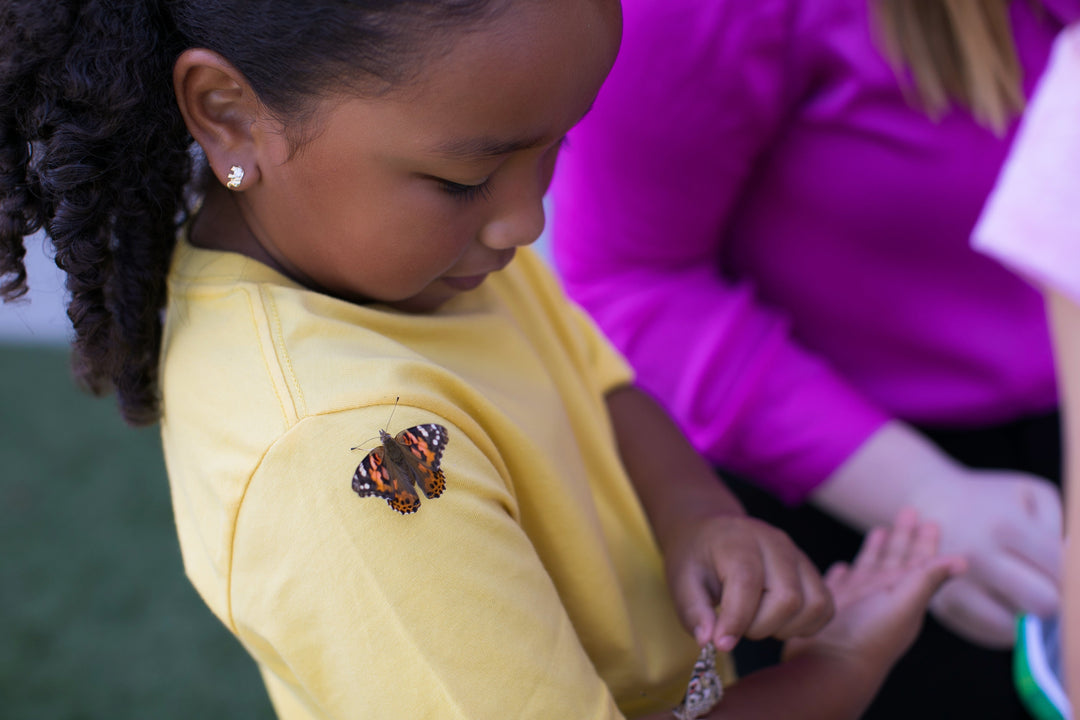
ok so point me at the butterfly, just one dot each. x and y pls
(404, 461)
(704, 690)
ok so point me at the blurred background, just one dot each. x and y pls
(96, 617)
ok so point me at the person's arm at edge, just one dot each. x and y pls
(1065, 325)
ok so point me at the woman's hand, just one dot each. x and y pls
(1008, 526)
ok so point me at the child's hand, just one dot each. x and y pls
(881, 597)
(765, 586)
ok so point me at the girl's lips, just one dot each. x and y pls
(465, 282)
(470, 282)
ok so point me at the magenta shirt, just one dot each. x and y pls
(778, 239)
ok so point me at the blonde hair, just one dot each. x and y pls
(957, 51)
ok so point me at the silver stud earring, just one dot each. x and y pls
(236, 176)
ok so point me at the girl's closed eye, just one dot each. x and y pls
(466, 193)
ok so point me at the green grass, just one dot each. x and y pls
(96, 617)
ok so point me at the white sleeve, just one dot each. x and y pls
(1031, 221)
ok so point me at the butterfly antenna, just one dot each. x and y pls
(393, 411)
(396, 400)
(361, 445)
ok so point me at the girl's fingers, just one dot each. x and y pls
(900, 541)
(872, 550)
(695, 605)
(923, 579)
(926, 542)
(742, 594)
(783, 599)
(836, 575)
(817, 605)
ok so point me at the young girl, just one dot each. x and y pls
(343, 326)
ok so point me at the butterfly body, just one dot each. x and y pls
(405, 461)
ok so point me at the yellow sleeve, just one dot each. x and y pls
(355, 610)
(577, 332)
(611, 369)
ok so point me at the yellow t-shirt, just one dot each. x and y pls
(532, 588)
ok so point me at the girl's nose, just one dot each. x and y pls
(520, 224)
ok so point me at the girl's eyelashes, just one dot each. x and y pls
(468, 193)
(465, 193)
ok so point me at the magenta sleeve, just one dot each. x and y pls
(642, 197)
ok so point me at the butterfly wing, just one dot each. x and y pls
(374, 476)
(426, 443)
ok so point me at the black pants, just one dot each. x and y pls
(942, 676)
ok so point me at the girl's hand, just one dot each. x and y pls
(881, 597)
(713, 553)
(1008, 526)
(765, 586)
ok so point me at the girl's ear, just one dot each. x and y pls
(219, 108)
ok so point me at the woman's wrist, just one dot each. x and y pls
(894, 468)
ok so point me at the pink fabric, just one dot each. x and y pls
(778, 239)
(1032, 220)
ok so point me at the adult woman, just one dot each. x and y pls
(769, 214)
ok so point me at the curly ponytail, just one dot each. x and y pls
(93, 149)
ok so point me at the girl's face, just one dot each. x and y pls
(418, 195)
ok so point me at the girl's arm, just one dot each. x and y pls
(714, 554)
(808, 687)
(713, 551)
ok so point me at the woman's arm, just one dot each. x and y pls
(1008, 524)
(645, 194)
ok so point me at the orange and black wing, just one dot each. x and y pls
(426, 443)
(374, 476)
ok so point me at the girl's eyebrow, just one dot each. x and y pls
(479, 148)
(484, 147)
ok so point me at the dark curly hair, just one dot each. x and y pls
(94, 151)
